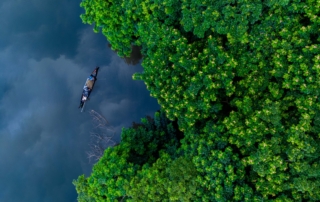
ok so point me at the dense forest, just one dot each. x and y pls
(238, 83)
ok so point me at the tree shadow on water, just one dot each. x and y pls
(134, 57)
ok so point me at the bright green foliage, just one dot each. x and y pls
(242, 78)
(165, 180)
(82, 188)
(221, 173)
(114, 22)
(108, 176)
(140, 145)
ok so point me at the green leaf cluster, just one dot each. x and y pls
(165, 180)
(113, 21)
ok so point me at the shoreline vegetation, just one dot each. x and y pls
(238, 83)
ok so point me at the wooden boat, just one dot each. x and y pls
(88, 87)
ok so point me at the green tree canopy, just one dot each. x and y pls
(165, 180)
(242, 80)
(141, 145)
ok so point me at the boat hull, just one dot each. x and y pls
(88, 87)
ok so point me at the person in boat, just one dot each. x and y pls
(85, 94)
(84, 98)
(92, 78)
(88, 87)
